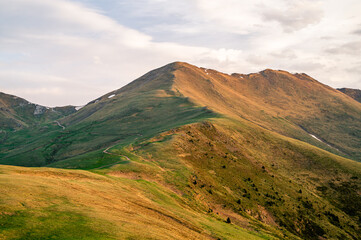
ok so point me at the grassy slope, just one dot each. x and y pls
(72, 204)
(293, 105)
(17, 113)
(234, 167)
(227, 168)
(260, 179)
(142, 109)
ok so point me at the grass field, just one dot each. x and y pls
(240, 168)
(44, 203)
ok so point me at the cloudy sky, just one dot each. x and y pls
(59, 52)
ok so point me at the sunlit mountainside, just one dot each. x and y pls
(185, 153)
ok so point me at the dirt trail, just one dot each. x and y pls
(59, 124)
(106, 152)
(114, 154)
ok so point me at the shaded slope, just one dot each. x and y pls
(141, 109)
(17, 113)
(354, 93)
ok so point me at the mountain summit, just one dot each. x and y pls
(241, 156)
(294, 105)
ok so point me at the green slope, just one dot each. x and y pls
(140, 110)
(241, 171)
(17, 113)
(203, 146)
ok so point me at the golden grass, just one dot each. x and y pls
(227, 158)
(117, 207)
(277, 101)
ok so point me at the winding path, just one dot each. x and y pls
(106, 152)
(114, 154)
(59, 124)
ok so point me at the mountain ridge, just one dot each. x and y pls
(294, 105)
(16, 112)
(353, 93)
(243, 154)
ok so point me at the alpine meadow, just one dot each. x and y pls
(188, 150)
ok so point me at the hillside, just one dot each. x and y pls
(354, 93)
(182, 149)
(176, 94)
(238, 168)
(17, 113)
(141, 109)
(293, 105)
(67, 204)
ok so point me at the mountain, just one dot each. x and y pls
(190, 153)
(354, 93)
(17, 113)
(293, 105)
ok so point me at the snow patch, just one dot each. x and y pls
(111, 96)
(79, 107)
(316, 137)
(322, 141)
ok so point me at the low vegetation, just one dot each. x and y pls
(188, 153)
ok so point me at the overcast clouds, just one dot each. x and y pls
(58, 52)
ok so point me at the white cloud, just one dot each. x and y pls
(295, 15)
(75, 51)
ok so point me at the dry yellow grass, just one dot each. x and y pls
(291, 104)
(114, 207)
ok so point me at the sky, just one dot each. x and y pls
(60, 52)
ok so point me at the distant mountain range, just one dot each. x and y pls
(274, 154)
(18, 113)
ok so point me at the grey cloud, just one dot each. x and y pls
(355, 69)
(307, 66)
(287, 54)
(297, 15)
(357, 32)
(351, 48)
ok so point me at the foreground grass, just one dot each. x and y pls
(74, 204)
